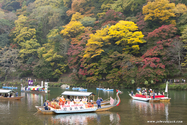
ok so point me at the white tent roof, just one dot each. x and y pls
(5, 91)
(73, 93)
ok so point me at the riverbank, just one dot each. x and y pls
(161, 86)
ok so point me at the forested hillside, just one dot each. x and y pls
(115, 41)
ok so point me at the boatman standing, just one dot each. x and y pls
(99, 100)
(46, 105)
(132, 93)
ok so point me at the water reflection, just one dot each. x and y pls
(5, 105)
(152, 108)
(34, 99)
(83, 118)
(105, 94)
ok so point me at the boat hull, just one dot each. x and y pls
(34, 91)
(105, 108)
(75, 111)
(40, 109)
(99, 89)
(140, 98)
(8, 87)
(82, 89)
(166, 99)
(11, 98)
(108, 90)
(154, 100)
(157, 99)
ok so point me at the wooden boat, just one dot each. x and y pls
(9, 87)
(67, 87)
(158, 98)
(108, 89)
(75, 88)
(166, 99)
(8, 92)
(140, 97)
(34, 89)
(82, 89)
(100, 88)
(79, 108)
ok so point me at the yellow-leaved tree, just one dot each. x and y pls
(96, 42)
(159, 10)
(124, 34)
(180, 9)
(19, 24)
(72, 29)
(53, 3)
(29, 48)
(25, 38)
(76, 17)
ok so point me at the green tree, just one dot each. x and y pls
(51, 53)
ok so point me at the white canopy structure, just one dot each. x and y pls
(73, 93)
(5, 91)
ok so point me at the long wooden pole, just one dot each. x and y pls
(99, 89)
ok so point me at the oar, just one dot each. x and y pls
(35, 113)
(99, 89)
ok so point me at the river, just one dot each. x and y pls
(129, 112)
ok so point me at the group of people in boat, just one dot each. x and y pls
(56, 103)
(150, 92)
(9, 95)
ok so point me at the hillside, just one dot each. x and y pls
(110, 42)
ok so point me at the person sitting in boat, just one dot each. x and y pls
(138, 89)
(77, 100)
(84, 100)
(46, 105)
(143, 91)
(71, 103)
(99, 100)
(54, 103)
(140, 92)
(72, 99)
(146, 91)
(68, 97)
(150, 91)
(6, 95)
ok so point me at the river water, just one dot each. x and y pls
(129, 112)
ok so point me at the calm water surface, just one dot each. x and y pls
(129, 112)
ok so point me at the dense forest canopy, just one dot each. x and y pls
(111, 41)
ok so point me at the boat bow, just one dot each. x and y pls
(117, 95)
